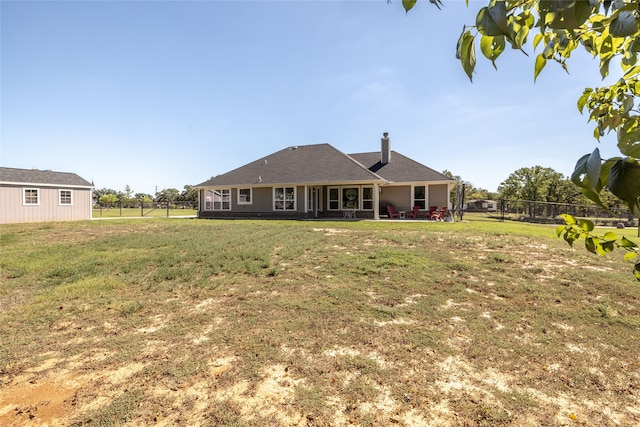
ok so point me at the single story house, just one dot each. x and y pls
(32, 195)
(320, 181)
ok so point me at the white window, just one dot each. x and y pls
(31, 196)
(284, 198)
(334, 198)
(217, 199)
(367, 198)
(65, 198)
(420, 196)
(350, 197)
(245, 196)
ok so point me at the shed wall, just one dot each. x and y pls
(12, 209)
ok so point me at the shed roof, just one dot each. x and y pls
(41, 177)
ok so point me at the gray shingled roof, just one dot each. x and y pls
(322, 163)
(41, 177)
(319, 163)
(399, 169)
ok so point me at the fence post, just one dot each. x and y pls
(502, 210)
(141, 208)
(167, 209)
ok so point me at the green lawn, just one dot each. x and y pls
(137, 212)
(247, 323)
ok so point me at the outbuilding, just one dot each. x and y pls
(32, 195)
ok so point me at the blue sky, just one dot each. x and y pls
(161, 94)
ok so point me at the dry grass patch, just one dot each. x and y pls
(185, 322)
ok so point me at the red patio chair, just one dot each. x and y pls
(432, 209)
(393, 213)
(439, 215)
(414, 213)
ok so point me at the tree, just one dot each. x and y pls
(167, 195)
(537, 184)
(126, 197)
(606, 29)
(99, 193)
(530, 183)
(127, 191)
(142, 197)
(189, 194)
(108, 199)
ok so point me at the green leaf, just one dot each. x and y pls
(586, 225)
(562, 14)
(630, 256)
(560, 229)
(604, 247)
(540, 63)
(498, 12)
(520, 26)
(632, 71)
(486, 25)
(626, 243)
(582, 11)
(623, 25)
(580, 170)
(582, 101)
(636, 271)
(605, 171)
(537, 39)
(610, 236)
(629, 142)
(571, 236)
(492, 47)
(594, 165)
(408, 4)
(467, 53)
(598, 246)
(593, 196)
(624, 182)
(568, 219)
(604, 67)
(590, 244)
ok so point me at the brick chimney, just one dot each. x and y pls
(385, 149)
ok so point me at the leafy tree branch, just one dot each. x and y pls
(575, 229)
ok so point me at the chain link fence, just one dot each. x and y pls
(134, 208)
(548, 212)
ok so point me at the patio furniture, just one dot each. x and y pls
(439, 215)
(432, 209)
(393, 213)
(350, 213)
(413, 213)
